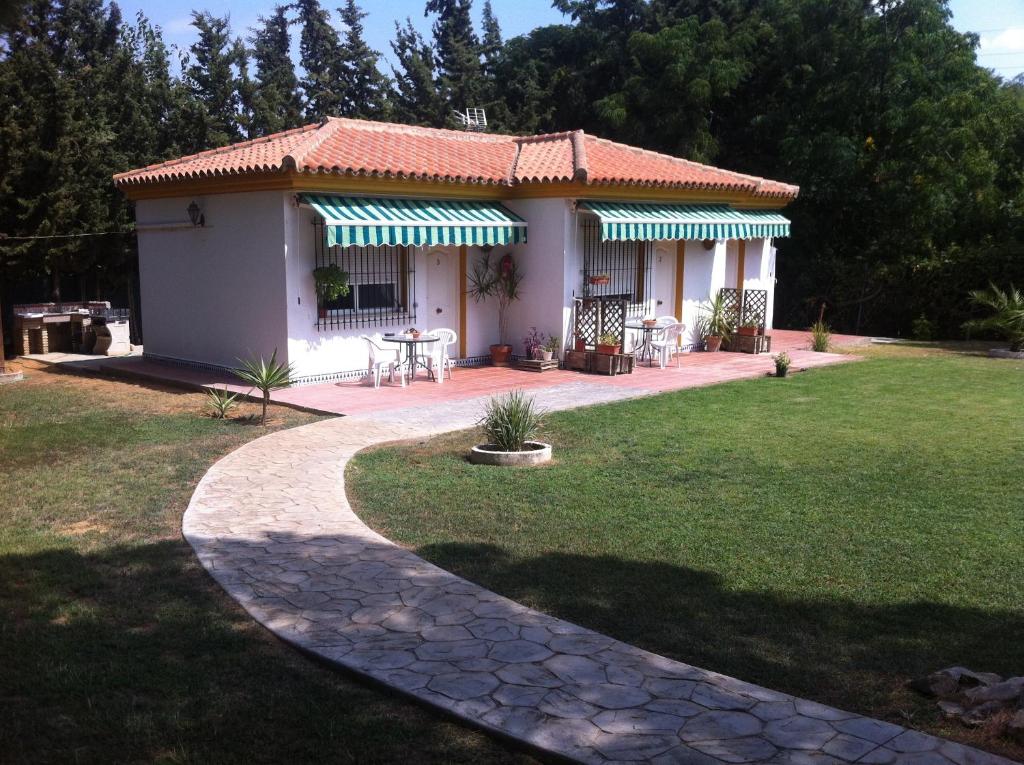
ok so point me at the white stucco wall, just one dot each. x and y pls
(216, 293)
(243, 284)
(546, 261)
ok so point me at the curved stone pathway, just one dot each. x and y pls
(271, 523)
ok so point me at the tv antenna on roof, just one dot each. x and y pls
(473, 119)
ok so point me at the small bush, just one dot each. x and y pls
(821, 336)
(511, 420)
(221, 401)
(782, 362)
(265, 376)
(922, 328)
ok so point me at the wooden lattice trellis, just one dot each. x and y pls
(745, 305)
(599, 316)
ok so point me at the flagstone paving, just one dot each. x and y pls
(272, 524)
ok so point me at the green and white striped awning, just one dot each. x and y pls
(642, 221)
(378, 221)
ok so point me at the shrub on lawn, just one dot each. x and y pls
(821, 336)
(782, 362)
(221, 401)
(265, 376)
(1005, 314)
(511, 420)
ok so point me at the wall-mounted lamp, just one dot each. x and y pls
(195, 215)
(709, 244)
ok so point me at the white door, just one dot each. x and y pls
(442, 307)
(665, 281)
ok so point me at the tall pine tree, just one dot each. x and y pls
(366, 88)
(276, 104)
(415, 100)
(323, 62)
(460, 74)
(210, 74)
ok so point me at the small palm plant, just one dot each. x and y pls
(265, 376)
(221, 401)
(821, 336)
(1006, 314)
(511, 420)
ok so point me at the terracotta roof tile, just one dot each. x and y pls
(377, 149)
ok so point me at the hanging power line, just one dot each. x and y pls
(8, 237)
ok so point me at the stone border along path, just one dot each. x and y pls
(271, 523)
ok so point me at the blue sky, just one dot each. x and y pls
(1000, 22)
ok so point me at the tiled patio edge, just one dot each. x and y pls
(272, 524)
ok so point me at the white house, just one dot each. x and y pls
(229, 239)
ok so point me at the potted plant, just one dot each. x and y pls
(510, 423)
(609, 344)
(413, 333)
(550, 348)
(331, 284)
(714, 324)
(499, 279)
(782, 362)
(649, 323)
(532, 343)
(600, 279)
(579, 344)
(748, 327)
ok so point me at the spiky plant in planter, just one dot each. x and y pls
(498, 278)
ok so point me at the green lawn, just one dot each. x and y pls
(116, 645)
(832, 535)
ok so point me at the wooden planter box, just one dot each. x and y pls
(599, 363)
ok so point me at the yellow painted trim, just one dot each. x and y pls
(463, 291)
(741, 263)
(298, 182)
(339, 184)
(680, 264)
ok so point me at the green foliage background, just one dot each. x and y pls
(910, 155)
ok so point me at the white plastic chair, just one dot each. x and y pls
(382, 358)
(437, 356)
(668, 344)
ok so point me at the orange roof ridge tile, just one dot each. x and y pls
(580, 170)
(295, 159)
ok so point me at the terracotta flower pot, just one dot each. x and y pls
(321, 313)
(747, 331)
(500, 355)
(712, 343)
(600, 280)
(610, 350)
(581, 345)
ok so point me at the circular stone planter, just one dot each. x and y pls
(536, 453)
(1003, 353)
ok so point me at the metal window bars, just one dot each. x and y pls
(615, 269)
(382, 283)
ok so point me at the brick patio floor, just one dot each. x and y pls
(272, 524)
(359, 396)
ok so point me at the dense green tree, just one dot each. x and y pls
(323, 62)
(415, 99)
(276, 104)
(460, 76)
(490, 40)
(366, 88)
(210, 71)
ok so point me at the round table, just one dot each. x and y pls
(644, 349)
(411, 357)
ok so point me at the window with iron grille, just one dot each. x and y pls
(615, 269)
(382, 285)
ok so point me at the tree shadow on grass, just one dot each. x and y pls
(134, 653)
(836, 651)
